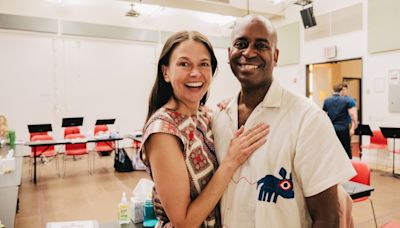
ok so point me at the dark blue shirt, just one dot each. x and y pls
(352, 103)
(337, 108)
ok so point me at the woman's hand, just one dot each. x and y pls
(244, 144)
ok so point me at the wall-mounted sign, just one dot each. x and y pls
(394, 90)
(394, 77)
(330, 52)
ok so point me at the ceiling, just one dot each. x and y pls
(268, 8)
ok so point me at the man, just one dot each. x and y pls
(292, 180)
(352, 119)
(339, 109)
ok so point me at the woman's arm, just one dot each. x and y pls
(172, 179)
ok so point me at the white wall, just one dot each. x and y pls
(349, 45)
(52, 75)
(47, 78)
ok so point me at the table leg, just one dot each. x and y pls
(34, 164)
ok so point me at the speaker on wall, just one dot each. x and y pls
(307, 15)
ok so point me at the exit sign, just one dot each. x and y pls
(330, 52)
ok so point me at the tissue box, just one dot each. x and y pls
(136, 210)
(7, 165)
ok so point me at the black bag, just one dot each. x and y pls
(122, 162)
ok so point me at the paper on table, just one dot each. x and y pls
(74, 224)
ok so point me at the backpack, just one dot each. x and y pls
(122, 162)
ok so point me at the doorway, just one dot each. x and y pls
(321, 77)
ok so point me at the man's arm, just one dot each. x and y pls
(324, 208)
(354, 119)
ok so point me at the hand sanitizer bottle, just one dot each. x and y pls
(123, 210)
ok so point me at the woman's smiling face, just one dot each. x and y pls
(189, 72)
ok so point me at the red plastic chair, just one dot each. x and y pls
(31, 135)
(75, 149)
(364, 177)
(36, 133)
(43, 152)
(377, 142)
(103, 146)
(136, 144)
(71, 130)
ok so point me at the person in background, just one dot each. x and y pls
(3, 127)
(352, 119)
(177, 144)
(294, 179)
(339, 109)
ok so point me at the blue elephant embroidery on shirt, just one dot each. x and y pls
(273, 186)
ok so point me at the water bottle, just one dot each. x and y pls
(149, 217)
(11, 137)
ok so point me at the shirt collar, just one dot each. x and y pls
(272, 99)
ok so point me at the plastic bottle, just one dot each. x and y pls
(123, 210)
(149, 217)
(11, 137)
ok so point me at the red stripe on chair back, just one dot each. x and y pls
(36, 133)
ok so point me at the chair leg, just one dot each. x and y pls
(57, 166)
(94, 159)
(31, 167)
(63, 166)
(89, 166)
(373, 211)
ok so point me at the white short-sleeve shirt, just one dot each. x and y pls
(301, 158)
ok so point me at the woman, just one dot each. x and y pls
(178, 145)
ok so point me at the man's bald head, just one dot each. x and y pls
(243, 21)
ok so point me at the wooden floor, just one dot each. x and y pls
(81, 196)
(77, 196)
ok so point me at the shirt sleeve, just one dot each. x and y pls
(320, 160)
(158, 124)
(324, 106)
(351, 102)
